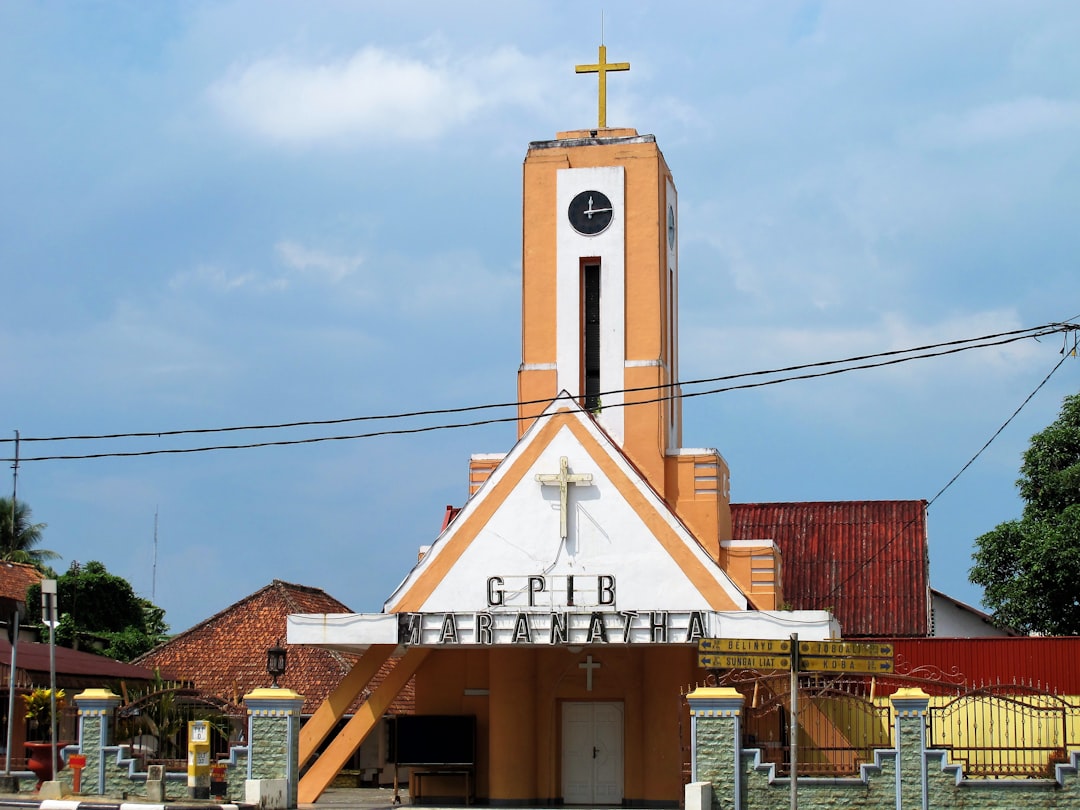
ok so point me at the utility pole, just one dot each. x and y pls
(48, 615)
(13, 623)
(76, 572)
(14, 485)
(793, 728)
(13, 632)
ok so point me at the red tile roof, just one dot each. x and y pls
(225, 655)
(15, 578)
(867, 561)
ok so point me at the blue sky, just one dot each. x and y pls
(237, 213)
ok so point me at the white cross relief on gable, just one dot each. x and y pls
(563, 479)
(606, 537)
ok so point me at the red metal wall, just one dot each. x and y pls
(1052, 664)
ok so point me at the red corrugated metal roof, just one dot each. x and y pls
(1046, 663)
(33, 658)
(866, 561)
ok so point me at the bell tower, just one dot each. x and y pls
(599, 322)
(600, 287)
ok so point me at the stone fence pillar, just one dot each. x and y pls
(909, 709)
(96, 708)
(274, 745)
(715, 732)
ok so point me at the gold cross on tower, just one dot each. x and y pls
(602, 67)
(562, 479)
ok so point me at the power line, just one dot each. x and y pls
(997, 432)
(1034, 332)
(955, 346)
(903, 529)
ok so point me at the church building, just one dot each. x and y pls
(560, 608)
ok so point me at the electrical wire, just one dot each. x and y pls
(986, 341)
(997, 432)
(903, 529)
(1016, 334)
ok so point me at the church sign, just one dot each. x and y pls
(536, 590)
(551, 627)
(539, 609)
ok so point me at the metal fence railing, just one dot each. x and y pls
(994, 732)
(1005, 731)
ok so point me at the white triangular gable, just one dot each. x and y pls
(627, 572)
(624, 550)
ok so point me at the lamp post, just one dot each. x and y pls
(13, 637)
(275, 662)
(48, 615)
(75, 571)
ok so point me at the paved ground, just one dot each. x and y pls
(332, 799)
(366, 798)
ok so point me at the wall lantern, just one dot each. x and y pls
(275, 662)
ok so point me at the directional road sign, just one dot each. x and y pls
(837, 664)
(753, 646)
(859, 649)
(742, 661)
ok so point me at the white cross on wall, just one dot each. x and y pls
(562, 480)
(589, 665)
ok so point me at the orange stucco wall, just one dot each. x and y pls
(519, 720)
(646, 295)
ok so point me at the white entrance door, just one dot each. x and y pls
(592, 753)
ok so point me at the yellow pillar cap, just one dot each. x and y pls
(97, 694)
(270, 693)
(714, 692)
(909, 693)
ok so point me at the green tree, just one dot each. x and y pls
(1030, 568)
(99, 612)
(20, 536)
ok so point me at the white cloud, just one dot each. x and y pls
(458, 281)
(1016, 119)
(212, 277)
(317, 263)
(310, 264)
(374, 95)
(934, 383)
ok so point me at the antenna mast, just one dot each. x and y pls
(14, 487)
(153, 576)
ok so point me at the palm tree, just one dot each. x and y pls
(19, 537)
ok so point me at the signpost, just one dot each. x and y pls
(738, 661)
(846, 656)
(744, 653)
(755, 646)
(795, 656)
(49, 617)
(861, 649)
(873, 666)
(811, 656)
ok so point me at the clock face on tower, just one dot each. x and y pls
(590, 213)
(671, 226)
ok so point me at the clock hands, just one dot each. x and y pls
(590, 210)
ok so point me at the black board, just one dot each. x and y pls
(432, 739)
